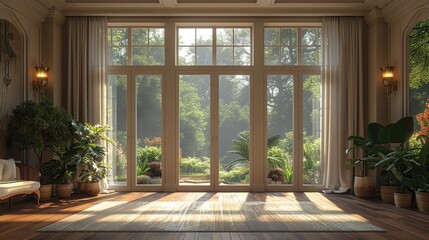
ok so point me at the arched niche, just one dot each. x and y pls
(12, 76)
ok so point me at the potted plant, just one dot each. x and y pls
(364, 158)
(154, 172)
(419, 181)
(63, 170)
(399, 161)
(276, 175)
(89, 154)
(38, 126)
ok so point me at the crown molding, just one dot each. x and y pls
(168, 8)
(398, 9)
(374, 16)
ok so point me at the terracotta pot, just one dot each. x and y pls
(64, 190)
(82, 187)
(403, 200)
(364, 187)
(45, 192)
(422, 199)
(91, 189)
(387, 192)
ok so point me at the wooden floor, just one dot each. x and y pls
(24, 219)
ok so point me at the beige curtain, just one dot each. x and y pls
(86, 48)
(342, 84)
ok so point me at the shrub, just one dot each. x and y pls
(239, 174)
(143, 179)
(191, 165)
(276, 174)
(154, 169)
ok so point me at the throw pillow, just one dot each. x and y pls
(9, 169)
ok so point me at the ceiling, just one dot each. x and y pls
(218, 7)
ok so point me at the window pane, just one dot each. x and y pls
(288, 36)
(289, 56)
(224, 56)
(272, 36)
(204, 36)
(116, 114)
(311, 103)
(242, 56)
(272, 55)
(119, 56)
(140, 55)
(234, 135)
(242, 36)
(156, 56)
(224, 36)
(310, 56)
(139, 36)
(280, 124)
(194, 117)
(186, 56)
(311, 36)
(149, 129)
(156, 36)
(118, 37)
(204, 56)
(186, 36)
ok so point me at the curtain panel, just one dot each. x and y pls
(342, 84)
(86, 60)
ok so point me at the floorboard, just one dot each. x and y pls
(24, 219)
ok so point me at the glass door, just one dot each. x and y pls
(214, 131)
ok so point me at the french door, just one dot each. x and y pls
(213, 127)
(293, 129)
(214, 131)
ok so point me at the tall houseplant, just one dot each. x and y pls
(364, 158)
(89, 153)
(399, 161)
(38, 126)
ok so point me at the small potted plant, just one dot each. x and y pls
(419, 181)
(276, 175)
(63, 170)
(154, 172)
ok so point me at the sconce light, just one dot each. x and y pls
(388, 81)
(41, 77)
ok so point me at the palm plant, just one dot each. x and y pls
(241, 147)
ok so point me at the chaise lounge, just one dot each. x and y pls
(12, 185)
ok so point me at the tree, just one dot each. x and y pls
(419, 67)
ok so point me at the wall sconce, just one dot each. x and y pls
(388, 81)
(41, 77)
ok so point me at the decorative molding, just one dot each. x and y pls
(55, 16)
(374, 16)
(233, 9)
(168, 3)
(398, 9)
(265, 3)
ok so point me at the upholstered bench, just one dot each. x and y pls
(11, 184)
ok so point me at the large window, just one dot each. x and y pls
(186, 102)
